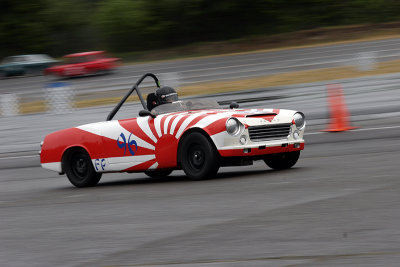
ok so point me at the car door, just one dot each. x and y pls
(125, 146)
(14, 65)
(92, 64)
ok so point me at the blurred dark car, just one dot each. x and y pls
(25, 64)
(78, 64)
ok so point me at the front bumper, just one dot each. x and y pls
(261, 149)
(242, 145)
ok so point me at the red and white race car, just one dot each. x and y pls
(197, 136)
(84, 63)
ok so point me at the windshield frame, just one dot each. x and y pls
(186, 105)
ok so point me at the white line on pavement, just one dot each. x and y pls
(360, 129)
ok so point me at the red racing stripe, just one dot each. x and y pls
(178, 125)
(216, 127)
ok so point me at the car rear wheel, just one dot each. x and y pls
(80, 171)
(199, 159)
(158, 173)
(282, 160)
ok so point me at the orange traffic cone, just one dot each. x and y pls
(339, 115)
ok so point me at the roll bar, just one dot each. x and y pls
(135, 87)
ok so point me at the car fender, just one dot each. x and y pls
(57, 143)
(213, 125)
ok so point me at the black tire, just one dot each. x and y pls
(79, 169)
(199, 159)
(158, 173)
(282, 160)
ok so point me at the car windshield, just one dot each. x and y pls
(75, 60)
(13, 59)
(186, 105)
(94, 57)
(39, 58)
(7, 60)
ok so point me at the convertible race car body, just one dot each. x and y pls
(84, 63)
(195, 135)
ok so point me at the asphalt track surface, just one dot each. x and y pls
(339, 206)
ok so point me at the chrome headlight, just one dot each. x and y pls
(299, 120)
(234, 126)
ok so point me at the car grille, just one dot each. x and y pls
(269, 132)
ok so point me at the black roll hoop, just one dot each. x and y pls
(135, 87)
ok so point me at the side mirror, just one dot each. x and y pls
(233, 105)
(145, 113)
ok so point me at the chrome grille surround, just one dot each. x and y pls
(269, 132)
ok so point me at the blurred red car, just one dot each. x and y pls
(77, 64)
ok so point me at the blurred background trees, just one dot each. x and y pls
(63, 26)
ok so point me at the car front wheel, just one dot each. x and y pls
(282, 160)
(80, 171)
(199, 159)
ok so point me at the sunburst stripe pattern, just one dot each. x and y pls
(157, 124)
(166, 123)
(175, 122)
(109, 130)
(190, 120)
(133, 126)
(145, 127)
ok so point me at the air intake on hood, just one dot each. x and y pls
(269, 132)
(261, 114)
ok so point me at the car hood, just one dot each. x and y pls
(261, 116)
(246, 116)
(249, 117)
